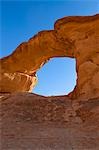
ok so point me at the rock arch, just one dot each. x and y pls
(74, 37)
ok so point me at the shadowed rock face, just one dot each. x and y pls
(33, 122)
(74, 37)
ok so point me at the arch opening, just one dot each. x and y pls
(56, 77)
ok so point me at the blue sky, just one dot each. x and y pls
(20, 20)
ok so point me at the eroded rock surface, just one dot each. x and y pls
(75, 37)
(34, 122)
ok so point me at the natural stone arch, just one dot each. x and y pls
(74, 37)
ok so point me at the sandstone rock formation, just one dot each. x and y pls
(33, 122)
(74, 37)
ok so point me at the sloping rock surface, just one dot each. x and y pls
(34, 122)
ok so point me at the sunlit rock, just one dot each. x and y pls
(74, 37)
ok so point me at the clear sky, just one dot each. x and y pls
(20, 20)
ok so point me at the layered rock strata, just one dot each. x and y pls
(74, 37)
